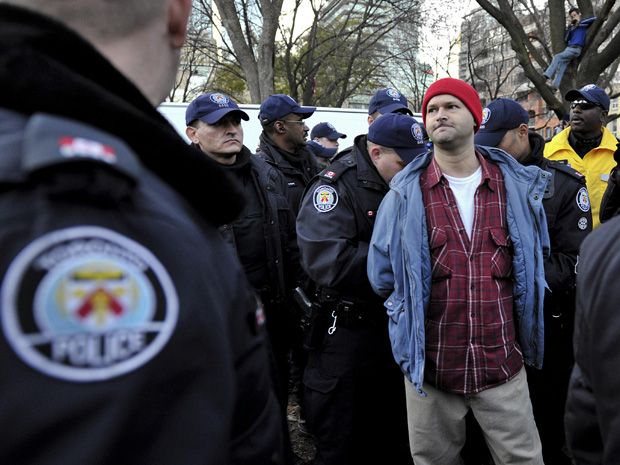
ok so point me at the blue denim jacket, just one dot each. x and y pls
(401, 269)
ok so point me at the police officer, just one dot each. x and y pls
(322, 154)
(354, 392)
(129, 334)
(263, 235)
(324, 142)
(569, 219)
(387, 100)
(283, 143)
(587, 145)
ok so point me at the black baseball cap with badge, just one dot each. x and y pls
(590, 93)
(402, 133)
(388, 100)
(499, 117)
(277, 106)
(212, 107)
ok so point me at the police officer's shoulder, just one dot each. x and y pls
(338, 167)
(51, 143)
(563, 167)
(11, 140)
(268, 175)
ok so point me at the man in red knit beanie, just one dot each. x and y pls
(467, 221)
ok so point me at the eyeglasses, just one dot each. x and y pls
(293, 121)
(583, 104)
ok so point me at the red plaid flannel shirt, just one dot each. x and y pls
(469, 327)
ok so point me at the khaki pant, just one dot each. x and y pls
(437, 424)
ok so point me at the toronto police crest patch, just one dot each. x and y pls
(87, 304)
(219, 99)
(390, 91)
(583, 201)
(486, 114)
(325, 198)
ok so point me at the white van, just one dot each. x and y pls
(349, 121)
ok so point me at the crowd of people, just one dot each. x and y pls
(417, 290)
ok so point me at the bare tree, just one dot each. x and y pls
(248, 31)
(349, 48)
(488, 72)
(599, 59)
(345, 50)
(196, 65)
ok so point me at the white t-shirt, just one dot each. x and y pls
(464, 190)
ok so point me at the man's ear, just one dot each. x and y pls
(279, 127)
(374, 152)
(190, 132)
(523, 129)
(178, 13)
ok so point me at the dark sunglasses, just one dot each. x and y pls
(583, 104)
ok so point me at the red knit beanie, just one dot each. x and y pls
(461, 90)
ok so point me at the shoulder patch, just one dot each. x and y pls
(51, 140)
(583, 201)
(325, 198)
(336, 169)
(564, 167)
(87, 304)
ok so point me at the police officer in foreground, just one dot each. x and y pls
(569, 219)
(354, 393)
(128, 331)
(263, 235)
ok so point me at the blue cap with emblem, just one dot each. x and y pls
(592, 93)
(388, 100)
(399, 132)
(499, 117)
(326, 130)
(212, 107)
(277, 106)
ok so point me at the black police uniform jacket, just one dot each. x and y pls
(610, 204)
(263, 236)
(569, 220)
(129, 334)
(297, 168)
(276, 239)
(593, 406)
(335, 223)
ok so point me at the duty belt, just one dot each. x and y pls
(349, 314)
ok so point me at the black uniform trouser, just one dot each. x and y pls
(354, 398)
(549, 388)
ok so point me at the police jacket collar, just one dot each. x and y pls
(366, 171)
(301, 162)
(537, 145)
(241, 162)
(38, 73)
